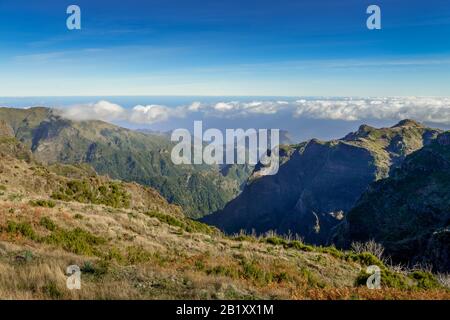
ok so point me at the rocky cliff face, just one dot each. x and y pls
(319, 182)
(408, 212)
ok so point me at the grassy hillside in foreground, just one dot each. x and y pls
(131, 244)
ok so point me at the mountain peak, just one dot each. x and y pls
(362, 132)
(365, 128)
(408, 123)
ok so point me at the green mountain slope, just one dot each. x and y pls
(130, 243)
(121, 154)
(408, 212)
(318, 182)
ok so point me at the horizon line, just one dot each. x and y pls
(225, 96)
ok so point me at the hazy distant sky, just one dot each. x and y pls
(226, 47)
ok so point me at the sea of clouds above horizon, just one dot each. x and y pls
(302, 118)
(423, 109)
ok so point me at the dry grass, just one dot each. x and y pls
(146, 257)
(367, 294)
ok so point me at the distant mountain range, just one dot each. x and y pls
(122, 154)
(387, 184)
(320, 181)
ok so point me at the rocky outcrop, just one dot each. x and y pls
(319, 182)
(409, 212)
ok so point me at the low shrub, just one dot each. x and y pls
(298, 245)
(21, 228)
(187, 225)
(114, 254)
(425, 280)
(97, 270)
(77, 241)
(110, 194)
(51, 290)
(195, 226)
(243, 237)
(365, 258)
(251, 271)
(137, 255)
(332, 251)
(199, 265)
(42, 203)
(165, 218)
(295, 244)
(47, 223)
(276, 241)
(311, 278)
(388, 279)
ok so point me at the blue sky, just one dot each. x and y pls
(249, 48)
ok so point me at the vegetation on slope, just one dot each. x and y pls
(148, 249)
(121, 154)
(319, 182)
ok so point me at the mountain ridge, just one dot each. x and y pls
(129, 243)
(319, 181)
(408, 212)
(122, 154)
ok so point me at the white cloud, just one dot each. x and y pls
(195, 106)
(107, 111)
(149, 114)
(102, 110)
(235, 109)
(422, 109)
(348, 109)
(264, 107)
(223, 106)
